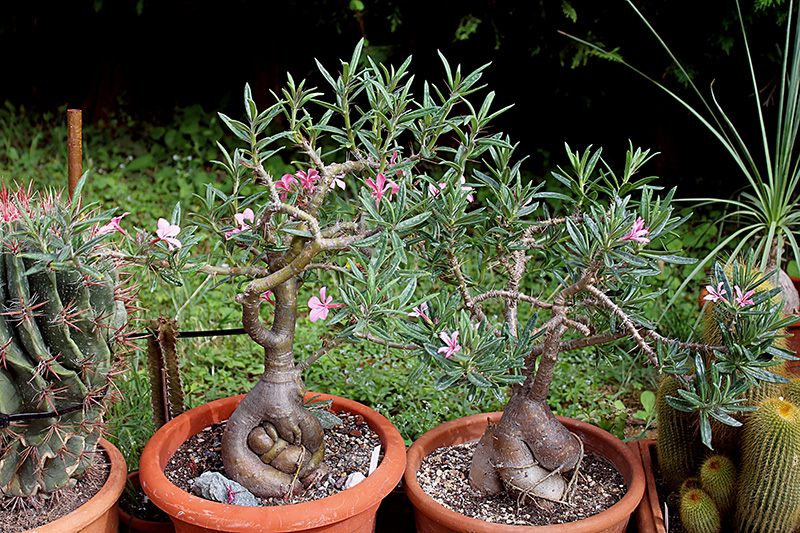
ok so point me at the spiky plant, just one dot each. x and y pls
(63, 317)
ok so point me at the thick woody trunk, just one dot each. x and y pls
(529, 449)
(521, 453)
(272, 445)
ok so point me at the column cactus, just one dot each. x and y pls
(63, 316)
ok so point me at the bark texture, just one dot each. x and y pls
(273, 445)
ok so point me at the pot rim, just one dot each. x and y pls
(103, 502)
(180, 504)
(451, 432)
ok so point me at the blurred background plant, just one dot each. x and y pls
(763, 215)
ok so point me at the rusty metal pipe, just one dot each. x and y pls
(75, 147)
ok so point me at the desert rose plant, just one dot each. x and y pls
(408, 222)
(64, 319)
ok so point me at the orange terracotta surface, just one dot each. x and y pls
(649, 516)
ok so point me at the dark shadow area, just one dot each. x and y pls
(150, 57)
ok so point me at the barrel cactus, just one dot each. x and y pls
(63, 317)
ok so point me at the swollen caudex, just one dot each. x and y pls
(265, 442)
(521, 473)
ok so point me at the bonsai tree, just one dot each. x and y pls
(64, 319)
(409, 222)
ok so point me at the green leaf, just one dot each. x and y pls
(368, 241)
(478, 380)
(670, 258)
(294, 231)
(446, 381)
(413, 222)
(648, 400)
(238, 128)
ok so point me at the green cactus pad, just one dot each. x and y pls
(61, 321)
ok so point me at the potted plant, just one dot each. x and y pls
(415, 214)
(64, 319)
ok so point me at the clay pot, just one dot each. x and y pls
(131, 524)
(432, 517)
(352, 510)
(649, 514)
(99, 514)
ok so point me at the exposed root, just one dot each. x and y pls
(570, 492)
(288, 495)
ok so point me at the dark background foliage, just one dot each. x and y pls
(151, 57)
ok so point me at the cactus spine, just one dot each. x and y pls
(768, 490)
(717, 476)
(63, 316)
(166, 391)
(699, 513)
(677, 439)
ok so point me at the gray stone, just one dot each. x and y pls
(214, 486)
(354, 479)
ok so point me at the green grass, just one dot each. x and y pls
(145, 168)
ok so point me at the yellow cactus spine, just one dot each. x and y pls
(699, 513)
(677, 444)
(768, 489)
(717, 476)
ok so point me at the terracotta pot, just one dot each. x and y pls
(432, 517)
(131, 524)
(99, 514)
(649, 514)
(352, 510)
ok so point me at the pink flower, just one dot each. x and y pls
(285, 185)
(267, 297)
(743, 299)
(420, 312)
(247, 214)
(433, 191)
(381, 187)
(392, 162)
(166, 232)
(452, 344)
(638, 232)
(339, 181)
(320, 306)
(466, 189)
(307, 180)
(113, 225)
(715, 294)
